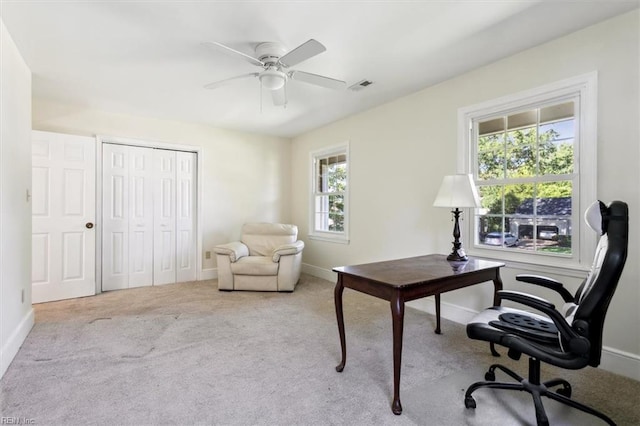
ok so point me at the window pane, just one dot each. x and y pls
(491, 199)
(558, 193)
(556, 147)
(337, 178)
(561, 129)
(336, 213)
(516, 196)
(332, 174)
(491, 157)
(521, 153)
(543, 223)
(553, 234)
(322, 213)
(336, 222)
(493, 125)
(557, 112)
(522, 119)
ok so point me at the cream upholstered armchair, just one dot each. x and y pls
(268, 257)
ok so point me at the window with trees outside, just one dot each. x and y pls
(330, 177)
(525, 175)
(533, 167)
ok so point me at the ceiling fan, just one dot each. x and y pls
(275, 62)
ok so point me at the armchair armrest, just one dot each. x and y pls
(234, 250)
(577, 343)
(287, 250)
(548, 283)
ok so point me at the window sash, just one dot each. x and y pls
(531, 117)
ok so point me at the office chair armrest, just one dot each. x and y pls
(548, 283)
(545, 307)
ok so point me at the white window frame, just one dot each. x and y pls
(330, 236)
(584, 88)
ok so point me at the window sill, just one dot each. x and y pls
(338, 239)
(539, 264)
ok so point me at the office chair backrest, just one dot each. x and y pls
(595, 293)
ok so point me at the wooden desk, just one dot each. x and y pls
(403, 280)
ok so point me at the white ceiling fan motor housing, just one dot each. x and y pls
(270, 52)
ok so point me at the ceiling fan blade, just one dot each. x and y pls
(217, 84)
(303, 52)
(318, 80)
(227, 49)
(279, 96)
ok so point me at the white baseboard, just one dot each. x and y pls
(316, 271)
(209, 274)
(10, 349)
(613, 360)
(620, 362)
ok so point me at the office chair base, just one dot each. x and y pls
(537, 390)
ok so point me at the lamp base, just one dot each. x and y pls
(458, 256)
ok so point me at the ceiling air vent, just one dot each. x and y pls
(360, 85)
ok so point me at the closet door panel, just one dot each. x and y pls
(186, 165)
(115, 241)
(164, 200)
(140, 216)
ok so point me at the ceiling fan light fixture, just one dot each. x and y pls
(272, 79)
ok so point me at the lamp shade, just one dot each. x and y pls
(272, 79)
(457, 191)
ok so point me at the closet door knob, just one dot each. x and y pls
(89, 225)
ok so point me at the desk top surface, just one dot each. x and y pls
(414, 270)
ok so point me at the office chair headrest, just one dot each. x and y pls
(598, 215)
(595, 217)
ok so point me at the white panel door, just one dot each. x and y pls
(115, 217)
(63, 216)
(140, 216)
(185, 216)
(164, 200)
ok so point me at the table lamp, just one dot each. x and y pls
(457, 191)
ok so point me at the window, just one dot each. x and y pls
(525, 175)
(532, 156)
(329, 194)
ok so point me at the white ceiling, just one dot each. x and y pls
(147, 58)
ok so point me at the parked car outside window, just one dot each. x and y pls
(498, 239)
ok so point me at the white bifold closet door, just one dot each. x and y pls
(148, 216)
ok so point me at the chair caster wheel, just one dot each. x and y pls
(469, 402)
(566, 391)
(490, 376)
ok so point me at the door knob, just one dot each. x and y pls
(89, 225)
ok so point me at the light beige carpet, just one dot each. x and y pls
(188, 354)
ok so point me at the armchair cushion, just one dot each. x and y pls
(255, 265)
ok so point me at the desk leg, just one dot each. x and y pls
(437, 331)
(397, 314)
(338, 301)
(497, 284)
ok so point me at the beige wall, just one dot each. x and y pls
(401, 150)
(245, 176)
(16, 314)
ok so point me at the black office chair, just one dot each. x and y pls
(570, 339)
